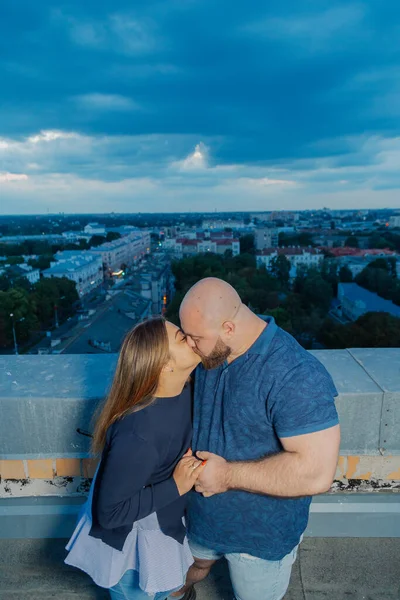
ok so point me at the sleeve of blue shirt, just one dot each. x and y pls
(124, 495)
(305, 401)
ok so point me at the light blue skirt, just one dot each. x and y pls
(161, 561)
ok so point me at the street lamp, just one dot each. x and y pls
(13, 329)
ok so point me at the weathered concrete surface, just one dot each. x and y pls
(327, 569)
(359, 403)
(383, 366)
(44, 399)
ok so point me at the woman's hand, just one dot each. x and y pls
(187, 472)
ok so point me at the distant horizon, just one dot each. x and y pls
(211, 213)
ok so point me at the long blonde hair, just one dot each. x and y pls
(144, 352)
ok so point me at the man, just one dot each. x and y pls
(265, 421)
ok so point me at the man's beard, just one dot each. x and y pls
(217, 357)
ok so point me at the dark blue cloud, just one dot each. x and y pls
(269, 81)
(294, 103)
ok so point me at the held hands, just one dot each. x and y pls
(187, 471)
(215, 477)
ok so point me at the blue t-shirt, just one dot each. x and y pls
(241, 410)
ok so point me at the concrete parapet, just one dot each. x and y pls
(45, 399)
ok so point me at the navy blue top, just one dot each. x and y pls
(241, 410)
(135, 473)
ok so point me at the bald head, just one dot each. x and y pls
(217, 324)
(208, 314)
(210, 302)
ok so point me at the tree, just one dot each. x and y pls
(387, 264)
(316, 291)
(329, 272)
(282, 318)
(42, 262)
(112, 235)
(379, 263)
(378, 281)
(48, 293)
(372, 330)
(247, 244)
(15, 260)
(345, 274)
(280, 268)
(352, 242)
(96, 240)
(18, 302)
(378, 241)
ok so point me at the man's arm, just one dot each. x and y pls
(305, 467)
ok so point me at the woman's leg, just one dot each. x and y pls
(128, 588)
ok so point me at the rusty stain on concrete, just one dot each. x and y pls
(394, 474)
(352, 464)
(366, 476)
(341, 466)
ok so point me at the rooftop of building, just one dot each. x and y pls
(348, 251)
(288, 251)
(352, 542)
(372, 302)
(71, 265)
(326, 569)
(366, 258)
(21, 270)
(85, 255)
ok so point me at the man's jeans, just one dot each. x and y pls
(253, 578)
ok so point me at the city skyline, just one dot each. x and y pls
(186, 107)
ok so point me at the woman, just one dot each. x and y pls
(131, 536)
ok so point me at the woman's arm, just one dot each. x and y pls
(122, 495)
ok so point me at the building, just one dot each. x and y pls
(50, 238)
(357, 252)
(308, 257)
(73, 237)
(124, 229)
(357, 263)
(95, 229)
(14, 272)
(223, 224)
(394, 221)
(283, 215)
(355, 301)
(154, 281)
(266, 237)
(31, 274)
(124, 252)
(190, 247)
(84, 268)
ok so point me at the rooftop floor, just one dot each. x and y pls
(327, 569)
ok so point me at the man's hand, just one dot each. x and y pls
(215, 477)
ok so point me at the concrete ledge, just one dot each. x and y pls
(44, 399)
(333, 515)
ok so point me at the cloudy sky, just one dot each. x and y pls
(197, 105)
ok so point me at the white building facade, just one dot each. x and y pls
(95, 229)
(124, 251)
(308, 257)
(394, 221)
(84, 269)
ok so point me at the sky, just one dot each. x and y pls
(198, 105)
